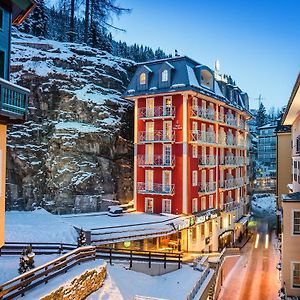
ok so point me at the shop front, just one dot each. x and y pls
(226, 239)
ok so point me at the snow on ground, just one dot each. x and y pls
(9, 265)
(103, 220)
(38, 226)
(63, 279)
(262, 203)
(123, 284)
(77, 126)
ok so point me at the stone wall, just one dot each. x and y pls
(80, 287)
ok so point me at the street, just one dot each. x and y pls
(255, 275)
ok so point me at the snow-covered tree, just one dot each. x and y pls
(261, 117)
(81, 240)
(26, 260)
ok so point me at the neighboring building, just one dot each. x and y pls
(252, 121)
(13, 98)
(291, 202)
(190, 146)
(267, 146)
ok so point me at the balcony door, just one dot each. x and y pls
(221, 200)
(167, 106)
(149, 180)
(149, 131)
(167, 155)
(149, 154)
(167, 181)
(150, 107)
(168, 130)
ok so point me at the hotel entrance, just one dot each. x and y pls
(226, 239)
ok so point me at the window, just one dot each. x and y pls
(295, 170)
(167, 181)
(203, 203)
(229, 219)
(1, 19)
(2, 63)
(149, 154)
(210, 227)
(194, 205)
(195, 151)
(143, 78)
(211, 201)
(149, 205)
(221, 223)
(296, 222)
(167, 155)
(194, 233)
(296, 274)
(149, 180)
(164, 75)
(195, 178)
(202, 230)
(298, 144)
(166, 206)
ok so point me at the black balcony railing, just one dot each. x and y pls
(13, 100)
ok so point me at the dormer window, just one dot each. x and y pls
(143, 78)
(164, 76)
(207, 79)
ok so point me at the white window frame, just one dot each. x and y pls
(203, 201)
(166, 203)
(194, 205)
(143, 80)
(292, 274)
(150, 107)
(293, 233)
(147, 200)
(149, 183)
(195, 178)
(149, 154)
(194, 151)
(165, 75)
(167, 158)
(167, 185)
(211, 201)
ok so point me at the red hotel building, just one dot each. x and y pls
(190, 141)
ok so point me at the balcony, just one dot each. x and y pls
(156, 136)
(155, 188)
(157, 112)
(207, 161)
(228, 119)
(208, 114)
(232, 161)
(231, 183)
(207, 188)
(230, 206)
(13, 100)
(231, 141)
(203, 137)
(156, 161)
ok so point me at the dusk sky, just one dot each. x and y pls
(257, 42)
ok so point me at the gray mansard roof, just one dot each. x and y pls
(184, 74)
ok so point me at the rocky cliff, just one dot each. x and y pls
(74, 153)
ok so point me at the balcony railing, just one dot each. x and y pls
(203, 137)
(156, 188)
(208, 160)
(231, 141)
(157, 112)
(229, 206)
(232, 160)
(207, 187)
(156, 136)
(204, 113)
(156, 161)
(232, 183)
(13, 100)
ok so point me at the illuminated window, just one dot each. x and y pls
(195, 178)
(143, 78)
(194, 205)
(164, 76)
(149, 205)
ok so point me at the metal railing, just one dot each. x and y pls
(204, 113)
(207, 187)
(232, 183)
(229, 206)
(13, 99)
(156, 188)
(208, 160)
(157, 136)
(156, 161)
(203, 136)
(232, 160)
(157, 112)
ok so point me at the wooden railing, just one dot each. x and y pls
(25, 282)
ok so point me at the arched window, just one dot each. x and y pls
(143, 78)
(164, 75)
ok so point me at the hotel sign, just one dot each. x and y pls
(209, 215)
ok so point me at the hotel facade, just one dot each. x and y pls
(191, 149)
(290, 204)
(13, 98)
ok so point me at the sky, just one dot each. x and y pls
(257, 42)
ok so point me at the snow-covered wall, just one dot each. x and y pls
(77, 140)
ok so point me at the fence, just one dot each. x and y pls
(21, 284)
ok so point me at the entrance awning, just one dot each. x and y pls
(243, 220)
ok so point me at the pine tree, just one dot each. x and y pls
(261, 117)
(81, 240)
(22, 265)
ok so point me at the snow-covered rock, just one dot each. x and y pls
(77, 140)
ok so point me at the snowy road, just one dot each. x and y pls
(255, 275)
